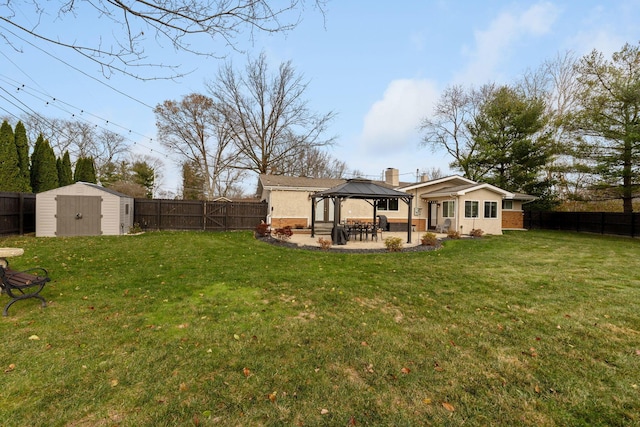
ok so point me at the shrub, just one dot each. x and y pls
(429, 239)
(263, 229)
(135, 229)
(453, 234)
(284, 233)
(325, 244)
(476, 232)
(393, 244)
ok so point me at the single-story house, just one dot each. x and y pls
(83, 209)
(466, 204)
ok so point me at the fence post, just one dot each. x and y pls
(21, 217)
(159, 215)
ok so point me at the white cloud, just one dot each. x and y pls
(492, 45)
(392, 121)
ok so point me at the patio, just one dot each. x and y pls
(305, 239)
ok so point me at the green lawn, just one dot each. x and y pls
(178, 328)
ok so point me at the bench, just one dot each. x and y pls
(19, 285)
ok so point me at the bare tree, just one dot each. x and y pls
(556, 81)
(180, 23)
(448, 127)
(266, 115)
(193, 129)
(80, 139)
(315, 163)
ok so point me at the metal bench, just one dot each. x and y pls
(19, 285)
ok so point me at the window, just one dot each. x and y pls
(448, 209)
(491, 209)
(471, 209)
(507, 204)
(388, 205)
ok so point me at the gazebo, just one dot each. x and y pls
(363, 189)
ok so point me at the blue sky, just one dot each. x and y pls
(381, 66)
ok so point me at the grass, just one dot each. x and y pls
(176, 328)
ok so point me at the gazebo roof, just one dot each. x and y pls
(359, 188)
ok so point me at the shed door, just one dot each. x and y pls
(78, 215)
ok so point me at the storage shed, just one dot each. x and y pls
(83, 209)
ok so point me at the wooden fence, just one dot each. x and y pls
(156, 214)
(17, 213)
(615, 223)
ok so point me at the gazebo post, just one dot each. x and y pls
(313, 216)
(336, 215)
(409, 225)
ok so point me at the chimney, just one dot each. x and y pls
(424, 178)
(392, 177)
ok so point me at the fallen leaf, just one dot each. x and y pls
(34, 337)
(272, 396)
(536, 389)
(10, 368)
(183, 325)
(352, 421)
(184, 387)
(364, 343)
(448, 406)
(426, 401)
(405, 370)
(113, 382)
(236, 337)
(637, 352)
(246, 372)
(324, 411)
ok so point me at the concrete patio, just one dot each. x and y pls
(305, 239)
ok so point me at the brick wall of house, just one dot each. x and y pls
(512, 219)
(291, 222)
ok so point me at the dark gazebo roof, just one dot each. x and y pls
(359, 188)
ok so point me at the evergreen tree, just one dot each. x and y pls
(44, 173)
(192, 182)
(85, 170)
(609, 121)
(512, 148)
(144, 175)
(22, 147)
(35, 163)
(9, 170)
(65, 174)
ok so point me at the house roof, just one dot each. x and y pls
(363, 189)
(457, 179)
(523, 197)
(290, 182)
(461, 190)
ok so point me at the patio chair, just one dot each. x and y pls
(444, 227)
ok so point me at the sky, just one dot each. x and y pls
(380, 66)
